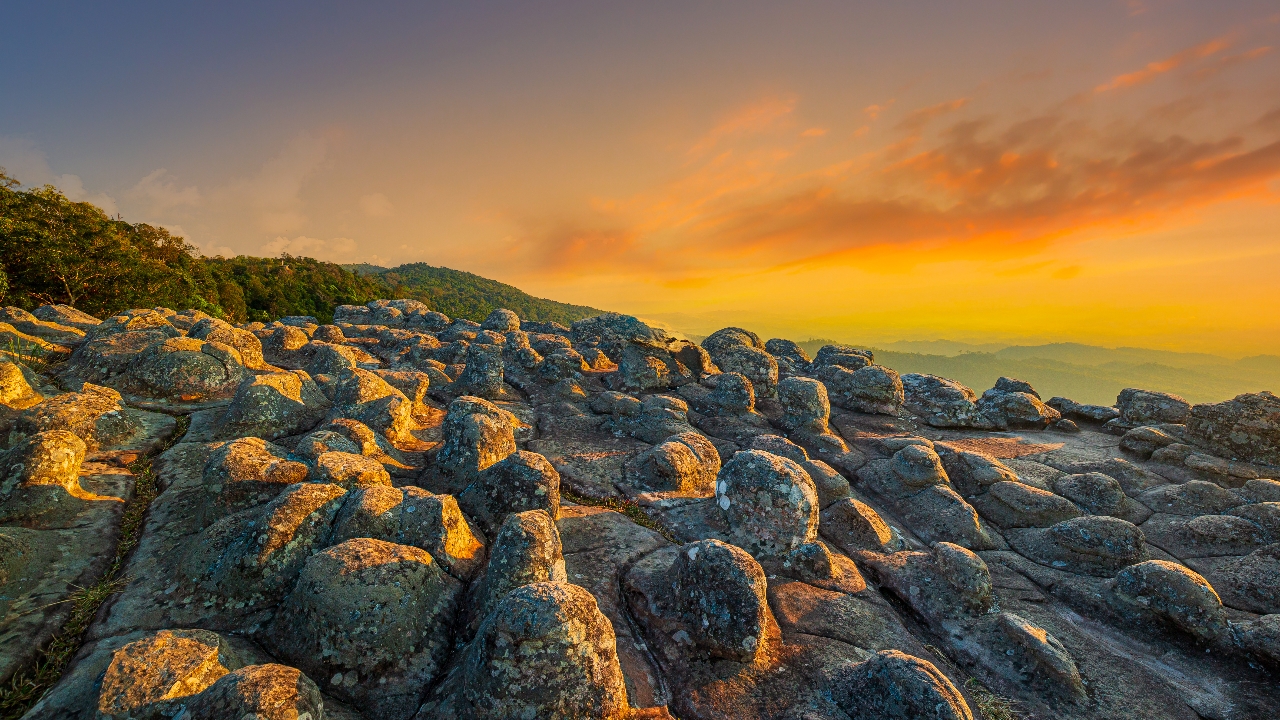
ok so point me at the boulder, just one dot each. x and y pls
(852, 526)
(845, 356)
(1044, 655)
(483, 375)
(895, 686)
(1091, 545)
(28, 324)
(66, 315)
(1176, 594)
(1017, 410)
(413, 516)
(244, 473)
(40, 478)
(869, 389)
(546, 651)
(349, 470)
(96, 415)
(719, 593)
(1146, 407)
(753, 362)
(1013, 504)
(1082, 412)
(16, 392)
(769, 503)
(670, 465)
(1246, 428)
(186, 369)
(154, 677)
(943, 403)
(273, 405)
(501, 320)
(522, 481)
(477, 435)
(526, 550)
(264, 692)
(375, 617)
(245, 342)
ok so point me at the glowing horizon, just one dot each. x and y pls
(1106, 173)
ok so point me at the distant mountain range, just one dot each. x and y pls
(1085, 373)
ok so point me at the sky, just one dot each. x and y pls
(1104, 172)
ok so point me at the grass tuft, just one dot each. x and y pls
(990, 705)
(630, 508)
(29, 684)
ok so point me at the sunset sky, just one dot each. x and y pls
(1102, 172)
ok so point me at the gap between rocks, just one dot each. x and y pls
(29, 684)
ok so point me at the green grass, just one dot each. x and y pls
(29, 684)
(630, 508)
(990, 705)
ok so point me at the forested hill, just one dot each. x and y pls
(54, 250)
(462, 294)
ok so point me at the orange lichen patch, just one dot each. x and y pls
(1003, 448)
(363, 553)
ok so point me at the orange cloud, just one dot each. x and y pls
(1153, 69)
(814, 132)
(754, 118)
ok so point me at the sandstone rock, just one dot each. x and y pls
(545, 651)
(1081, 412)
(254, 556)
(25, 322)
(1191, 498)
(1246, 428)
(974, 472)
(245, 342)
(754, 363)
(96, 415)
(316, 443)
(966, 573)
(1100, 494)
(1145, 407)
(1044, 655)
(671, 465)
(719, 593)
(1260, 490)
(942, 403)
(273, 405)
(870, 389)
(918, 467)
(1252, 582)
(483, 375)
(1013, 504)
(769, 502)
(526, 550)
(40, 478)
(137, 320)
(611, 333)
(522, 481)
(401, 602)
(852, 525)
(15, 392)
(102, 359)
(1018, 410)
(349, 471)
(792, 359)
(1265, 515)
(477, 435)
(413, 516)
(1091, 545)
(284, 345)
(892, 684)
(652, 419)
(806, 405)
(1175, 593)
(1145, 440)
(501, 320)
(1262, 638)
(157, 675)
(845, 356)
(187, 369)
(245, 473)
(66, 315)
(265, 692)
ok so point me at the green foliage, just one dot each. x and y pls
(53, 250)
(268, 288)
(464, 295)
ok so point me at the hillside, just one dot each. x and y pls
(462, 294)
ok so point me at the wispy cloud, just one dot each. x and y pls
(1160, 67)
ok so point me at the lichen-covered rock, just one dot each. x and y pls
(1196, 497)
(1083, 412)
(264, 692)
(792, 359)
(477, 435)
(973, 472)
(754, 363)
(1145, 440)
(245, 342)
(652, 419)
(1146, 407)
(1091, 545)
(349, 471)
(526, 550)
(186, 369)
(483, 375)
(284, 345)
(670, 465)
(1044, 655)
(852, 525)
(156, 676)
(53, 332)
(96, 415)
(1013, 504)
(845, 356)
(806, 405)
(273, 405)
(16, 392)
(1175, 593)
(245, 473)
(546, 651)
(895, 686)
(40, 476)
(869, 389)
(719, 592)
(1018, 410)
(66, 315)
(1245, 428)
(522, 481)
(769, 502)
(942, 403)
(966, 573)
(373, 615)
(252, 557)
(413, 516)
(611, 332)
(918, 467)
(501, 320)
